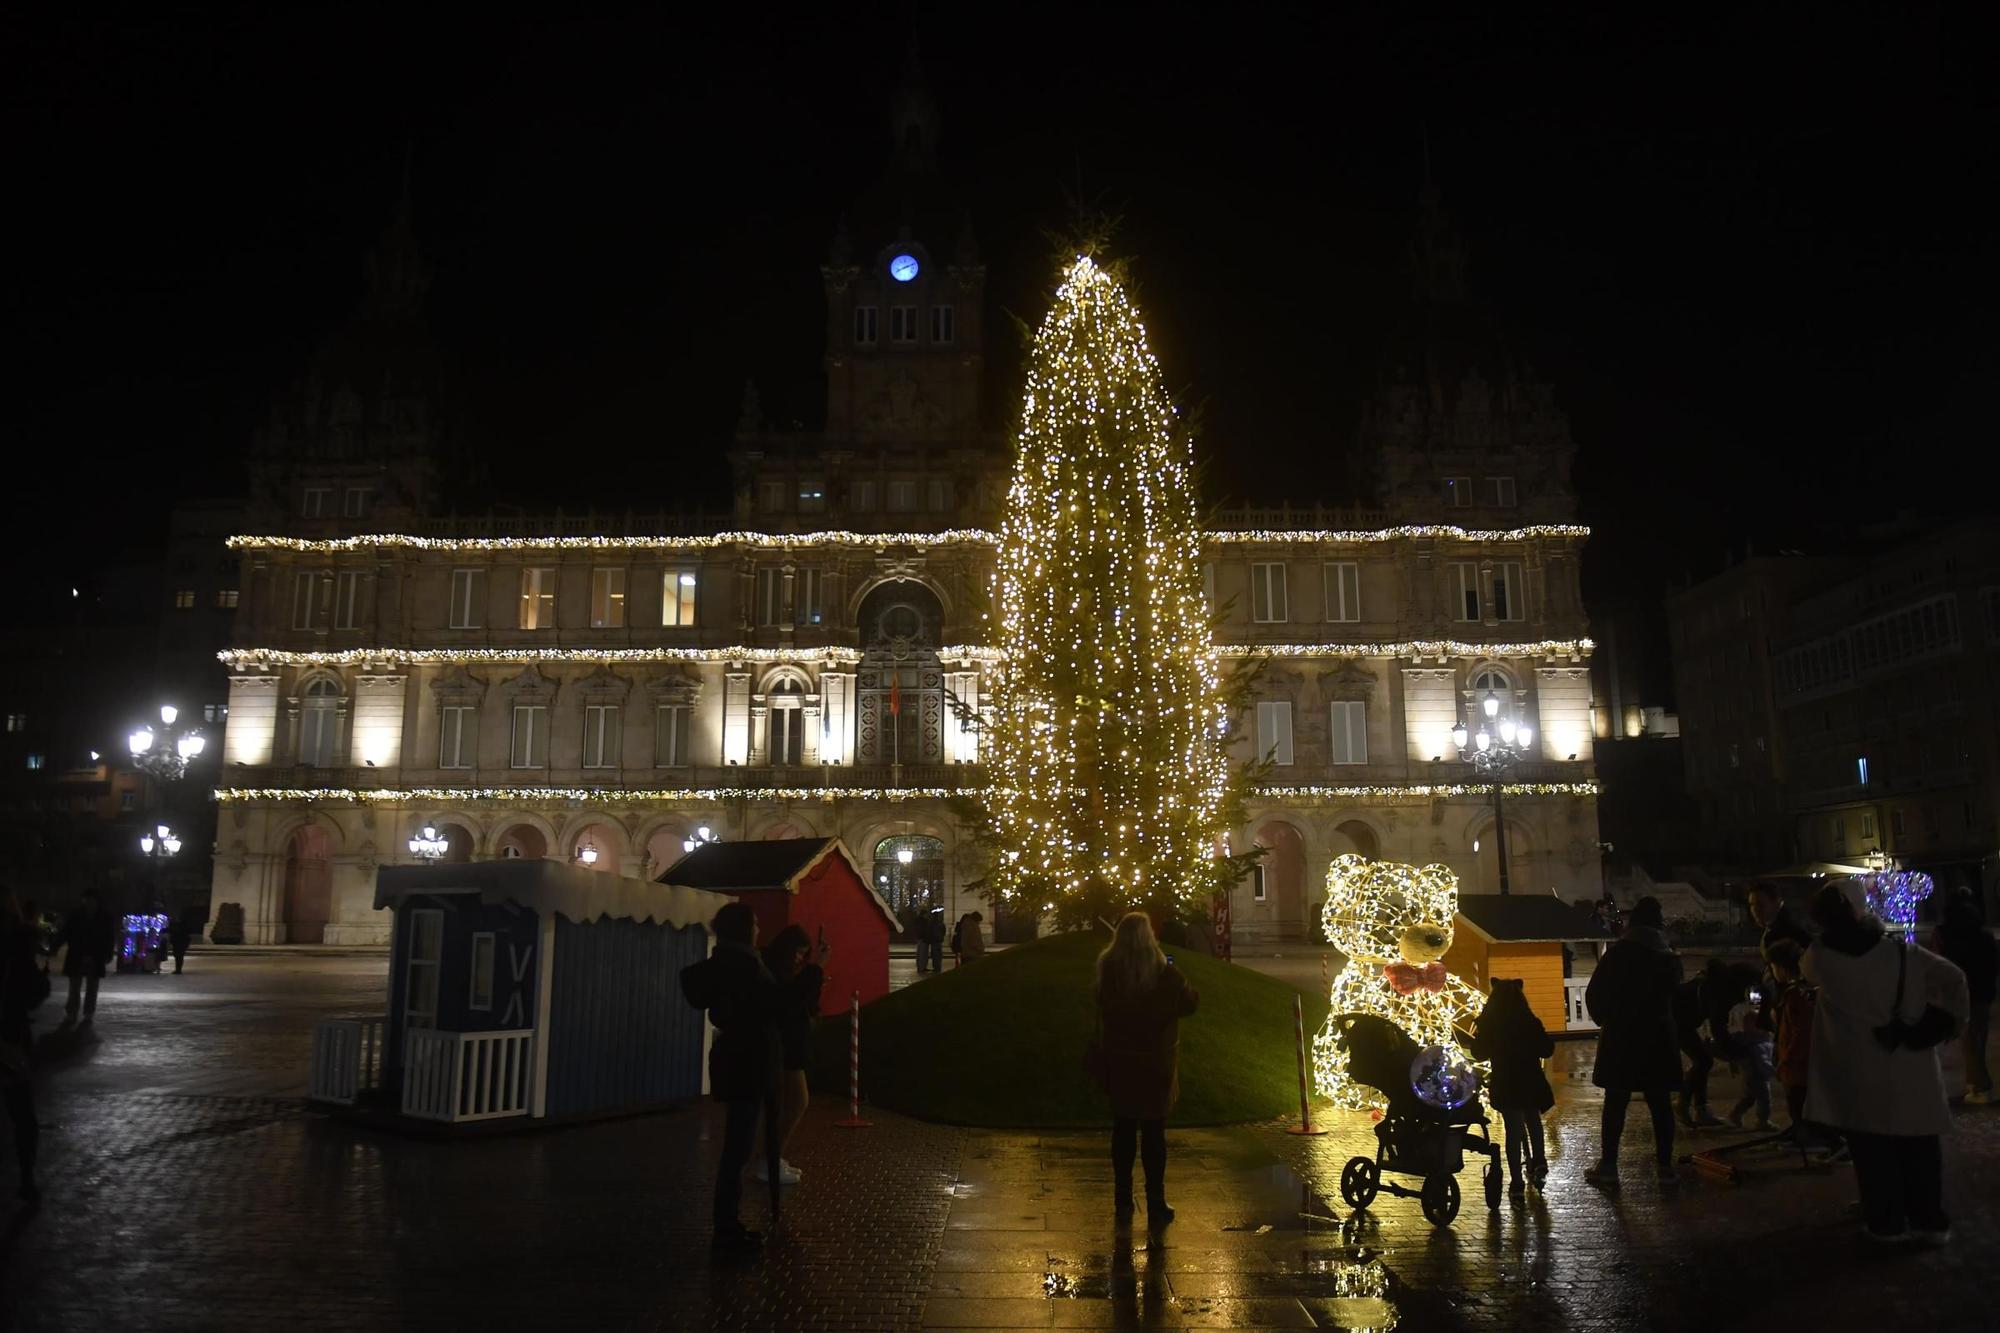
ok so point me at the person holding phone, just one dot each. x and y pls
(800, 970)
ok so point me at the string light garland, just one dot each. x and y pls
(1425, 790)
(1105, 739)
(654, 795)
(945, 537)
(1414, 648)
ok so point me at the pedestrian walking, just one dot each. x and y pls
(90, 934)
(971, 941)
(179, 931)
(23, 986)
(1141, 999)
(800, 977)
(1514, 1042)
(1691, 1030)
(1749, 1039)
(1631, 999)
(1964, 939)
(744, 1060)
(1884, 1007)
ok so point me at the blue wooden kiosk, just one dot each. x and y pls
(530, 988)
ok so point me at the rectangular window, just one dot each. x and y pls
(864, 326)
(607, 599)
(1839, 831)
(354, 504)
(305, 591)
(128, 801)
(600, 736)
(1500, 492)
(17, 721)
(1257, 884)
(1267, 594)
(1274, 732)
(226, 599)
(214, 712)
(1457, 492)
(458, 735)
(538, 597)
(1896, 822)
(812, 496)
(670, 736)
(862, 497)
(1861, 770)
(1508, 602)
(1465, 590)
(902, 324)
(902, 497)
(677, 599)
(468, 598)
(482, 971)
(34, 761)
(347, 600)
(531, 736)
(943, 318)
(770, 596)
(805, 592)
(1343, 590)
(939, 494)
(771, 497)
(1349, 732)
(420, 991)
(1868, 825)
(184, 599)
(1208, 586)
(318, 499)
(787, 736)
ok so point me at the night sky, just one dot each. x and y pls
(1753, 256)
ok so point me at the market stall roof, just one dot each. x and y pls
(552, 886)
(1518, 918)
(1815, 870)
(781, 864)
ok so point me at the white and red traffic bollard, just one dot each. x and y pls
(1305, 1125)
(854, 1120)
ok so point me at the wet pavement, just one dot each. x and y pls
(188, 1187)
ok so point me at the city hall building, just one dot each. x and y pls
(601, 688)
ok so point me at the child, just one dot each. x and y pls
(1513, 1040)
(1749, 1047)
(1791, 1022)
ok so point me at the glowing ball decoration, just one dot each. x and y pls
(1893, 895)
(1442, 1080)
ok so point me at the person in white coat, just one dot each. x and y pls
(1889, 1103)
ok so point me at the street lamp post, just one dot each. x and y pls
(702, 835)
(429, 845)
(165, 754)
(1494, 751)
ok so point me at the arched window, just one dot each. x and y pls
(788, 726)
(319, 723)
(913, 885)
(900, 683)
(1491, 680)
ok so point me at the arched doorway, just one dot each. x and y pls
(1284, 873)
(604, 843)
(1357, 838)
(308, 885)
(523, 842)
(909, 874)
(457, 844)
(900, 683)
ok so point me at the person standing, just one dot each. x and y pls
(1631, 999)
(90, 934)
(933, 937)
(1883, 1007)
(23, 986)
(800, 979)
(1963, 938)
(1513, 1040)
(1769, 910)
(1791, 1029)
(1690, 1019)
(971, 942)
(1141, 999)
(179, 931)
(743, 1002)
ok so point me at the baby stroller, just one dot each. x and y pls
(1415, 1137)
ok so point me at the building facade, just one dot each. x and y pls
(814, 662)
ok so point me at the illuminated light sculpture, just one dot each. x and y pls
(1893, 896)
(1110, 784)
(1394, 924)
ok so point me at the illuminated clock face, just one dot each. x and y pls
(903, 267)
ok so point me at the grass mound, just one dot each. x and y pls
(1001, 1043)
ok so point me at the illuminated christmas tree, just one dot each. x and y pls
(1110, 786)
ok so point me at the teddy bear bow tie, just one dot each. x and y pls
(1403, 978)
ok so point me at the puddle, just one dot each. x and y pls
(1361, 1302)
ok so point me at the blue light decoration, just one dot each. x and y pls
(1441, 1081)
(903, 268)
(142, 936)
(1893, 895)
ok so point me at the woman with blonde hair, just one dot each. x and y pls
(1141, 999)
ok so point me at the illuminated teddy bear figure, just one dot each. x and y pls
(1394, 923)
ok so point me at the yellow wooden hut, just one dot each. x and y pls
(1523, 935)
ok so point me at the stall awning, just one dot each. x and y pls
(553, 887)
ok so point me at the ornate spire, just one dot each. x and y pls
(913, 117)
(397, 274)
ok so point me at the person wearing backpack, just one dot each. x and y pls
(23, 986)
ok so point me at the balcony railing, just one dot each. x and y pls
(459, 1076)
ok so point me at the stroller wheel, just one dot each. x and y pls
(1440, 1199)
(1493, 1183)
(1359, 1181)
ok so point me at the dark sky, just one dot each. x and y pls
(1753, 254)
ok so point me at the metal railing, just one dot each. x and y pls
(460, 1076)
(346, 1058)
(1578, 1014)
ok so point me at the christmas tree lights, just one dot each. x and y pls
(1110, 785)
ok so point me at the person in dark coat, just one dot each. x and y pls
(1513, 1040)
(22, 987)
(1690, 1027)
(1962, 938)
(1631, 999)
(91, 935)
(1769, 909)
(1141, 999)
(800, 978)
(179, 931)
(744, 1003)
